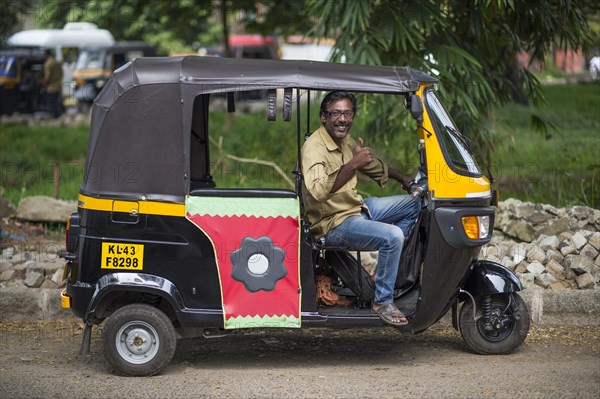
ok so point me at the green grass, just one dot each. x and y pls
(28, 155)
(559, 168)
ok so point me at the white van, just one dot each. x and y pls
(65, 44)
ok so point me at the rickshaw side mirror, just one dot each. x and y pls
(416, 108)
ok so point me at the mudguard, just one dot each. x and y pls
(140, 282)
(489, 278)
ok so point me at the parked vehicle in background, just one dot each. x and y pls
(65, 44)
(254, 46)
(95, 64)
(21, 72)
(247, 46)
(301, 48)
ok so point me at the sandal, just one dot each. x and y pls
(388, 313)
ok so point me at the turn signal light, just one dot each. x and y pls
(471, 226)
(476, 227)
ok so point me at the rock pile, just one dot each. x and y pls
(33, 266)
(547, 246)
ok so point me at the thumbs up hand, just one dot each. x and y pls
(362, 155)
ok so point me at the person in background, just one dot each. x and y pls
(52, 84)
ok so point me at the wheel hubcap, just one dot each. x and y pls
(137, 342)
(499, 327)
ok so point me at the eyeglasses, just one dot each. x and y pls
(337, 114)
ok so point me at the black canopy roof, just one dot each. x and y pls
(142, 119)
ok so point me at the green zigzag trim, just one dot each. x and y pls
(238, 206)
(262, 322)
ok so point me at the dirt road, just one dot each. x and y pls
(40, 359)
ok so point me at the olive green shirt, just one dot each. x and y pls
(54, 73)
(321, 161)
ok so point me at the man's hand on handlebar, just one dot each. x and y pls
(405, 181)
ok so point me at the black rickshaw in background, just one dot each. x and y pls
(95, 64)
(21, 74)
(158, 249)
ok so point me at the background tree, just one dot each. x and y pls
(179, 26)
(11, 11)
(470, 45)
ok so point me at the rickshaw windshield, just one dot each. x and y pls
(454, 144)
(90, 60)
(8, 66)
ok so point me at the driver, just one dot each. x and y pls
(339, 216)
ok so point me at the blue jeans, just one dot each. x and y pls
(390, 223)
(54, 103)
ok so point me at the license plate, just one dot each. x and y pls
(122, 256)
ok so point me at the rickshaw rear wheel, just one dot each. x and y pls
(505, 329)
(138, 340)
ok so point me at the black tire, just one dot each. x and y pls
(138, 340)
(507, 337)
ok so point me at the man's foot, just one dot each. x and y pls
(390, 314)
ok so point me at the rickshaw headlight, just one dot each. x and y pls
(476, 227)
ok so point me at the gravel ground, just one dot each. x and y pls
(40, 360)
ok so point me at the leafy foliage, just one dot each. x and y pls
(470, 45)
(180, 26)
(10, 13)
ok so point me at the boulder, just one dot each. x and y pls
(586, 281)
(579, 264)
(7, 275)
(554, 254)
(521, 230)
(538, 218)
(548, 242)
(33, 279)
(594, 240)
(578, 240)
(45, 209)
(57, 278)
(508, 263)
(558, 286)
(521, 267)
(527, 279)
(589, 251)
(567, 247)
(535, 253)
(556, 226)
(545, 279)
(536, 268)
(518, 253)
(554, 268)
(7, 209)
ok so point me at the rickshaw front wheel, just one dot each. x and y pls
(502, 331)
(138, 340)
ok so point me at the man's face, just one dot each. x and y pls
(338, 128)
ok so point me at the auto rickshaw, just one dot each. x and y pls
(21, 73)
(157, 250)
(95, 64)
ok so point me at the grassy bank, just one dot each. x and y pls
(29, 156)
(559, 168)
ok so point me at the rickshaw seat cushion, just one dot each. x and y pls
(243, 192)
